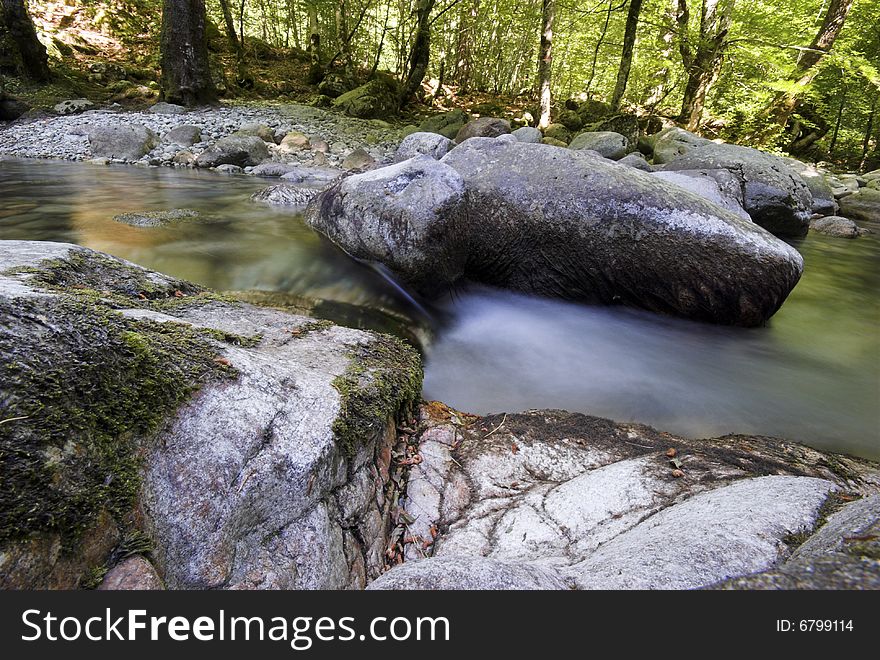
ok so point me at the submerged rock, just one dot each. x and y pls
(774, 195)
(285, 195)
(244, 447)
(155, 218)
(561, 223)
(554, 500)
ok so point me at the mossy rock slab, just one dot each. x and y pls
(244, 443)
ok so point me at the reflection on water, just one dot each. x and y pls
(813, 374)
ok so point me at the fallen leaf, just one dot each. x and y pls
(671, 452)
(677, 474)
(514, 448)
(222, 361)
(179, 294)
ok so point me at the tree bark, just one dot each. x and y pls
(703, 63)
(316, 71)
(545, 62)
(230, 26)
(665, 38)
(626, 57)
(780, 109)
(186, 75)
(420, 53)
(34, 60)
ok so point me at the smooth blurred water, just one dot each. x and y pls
(812, 374)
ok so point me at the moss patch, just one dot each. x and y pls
(383, 379)
(82, 388)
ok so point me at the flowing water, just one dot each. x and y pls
(812, 374)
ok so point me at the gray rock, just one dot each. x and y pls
(823, 196)
(625, 124)
(528, 134)
(73, 106)
(288, 493)
(447, 124)
(358, 159)
(636, 160)
(863, 205)
(704, 185)
(132, 574)
(470, 573)
(855, 529)
(610, 145)
(163, 108)
(383, 215)
(229, 169)
(185, 135)
(156, 218)
(483, 127)
(234, 150)
(670, 143)
(312, 175)
(774, 195)
(285, 195)
(727, 532)
(273, 169)
(261, 131)
(835, 225)
(428, 144)
(128, 142)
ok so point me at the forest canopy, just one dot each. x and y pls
(801, 76)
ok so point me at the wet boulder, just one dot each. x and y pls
(285, 195)
(127, 142)
(863, 205)
(241, 150)
(774, 195)
(561, 223)
(835, 225)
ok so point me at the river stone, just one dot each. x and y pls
(726, 532)
(528, 134)
(261, 131)
(610, 145)
(406, 216)
(553, 142)
(155, 218)
(670, 143)
(128, 142)
(185, 135)
(863, 205)
(552, 490)
(636, 160)
(835, 225)
(228, 168)
(73, 106)
(294, 141)
(823, 196)
(241, 150)
(132, 574)
(300, 415)
(285, 195)
(273, 169)
(483, 127)
(704, 185)
(775, 196)
(163, 108)
(358, 159)
(446, 124)
(625, 124)
(429, 144)
(312, 175)
(467, 573)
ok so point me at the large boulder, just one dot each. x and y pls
(563, 223)
(726, 192)
(124, 141)
(374, 100)
(774, 195)
(606, 143)
(447, 124)
(823, 196)
(625, 124)
(670, 143)
(555, 500)
(240, 446)
(285, 195)
(241, 150)
(837, 226)
(423, 143)
(483, 127)
(528, 134)
(185, 135)
(11, 108)
(863, 205)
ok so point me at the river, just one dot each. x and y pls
(811, 374)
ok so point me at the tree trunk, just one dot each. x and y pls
(869, 129)
(545, 61)
(834, 135)
(34, 60)
(780, 109)
(626, 56)
(420, 53)
(230, 26)
(599, 42)
(342, 35)
(702, 64)
(186, 75)
(665, 38)
(316, 72)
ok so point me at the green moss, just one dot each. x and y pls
(90, 386)
(383, 379)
